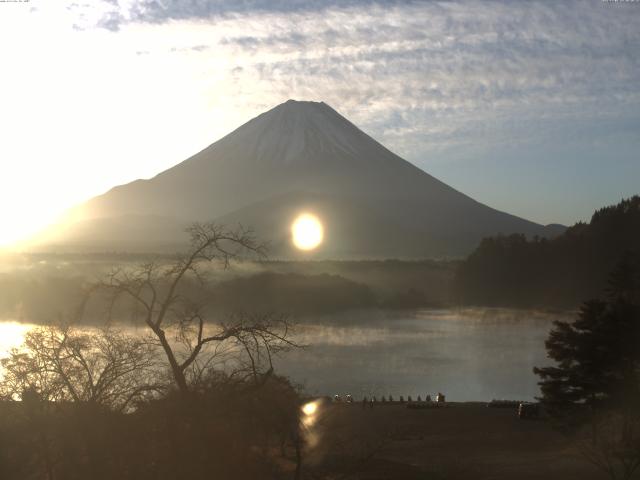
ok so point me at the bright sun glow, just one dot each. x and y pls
(310, 411)
(307, 232)
(310, 408)
(58, 150)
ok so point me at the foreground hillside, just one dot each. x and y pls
(388, 442)
(457, 442)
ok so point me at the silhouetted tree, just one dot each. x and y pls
(104, 367)
(70, 383)
(596, 382)
(174, 298)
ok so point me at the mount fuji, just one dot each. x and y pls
(297, 157)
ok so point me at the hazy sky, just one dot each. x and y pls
(532, 108)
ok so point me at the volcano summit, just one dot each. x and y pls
(297, 157)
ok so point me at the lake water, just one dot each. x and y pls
(467, 354)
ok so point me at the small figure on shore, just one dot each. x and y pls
(337, 399)
(440, 398)
(349, 399)
(528, 410)
(371, 402)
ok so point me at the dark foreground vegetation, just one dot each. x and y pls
(560, 273)
(225, 429)
(243, 431)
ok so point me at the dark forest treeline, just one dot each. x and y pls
(561, 272)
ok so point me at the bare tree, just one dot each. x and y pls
(173, 298)
(106, 367)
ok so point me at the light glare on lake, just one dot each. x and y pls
(12, 335)
(307, 232)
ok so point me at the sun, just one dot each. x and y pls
(307, 232)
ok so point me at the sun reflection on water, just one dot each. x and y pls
(12, 335)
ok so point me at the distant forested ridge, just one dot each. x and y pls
(43, 288)
(561, 272)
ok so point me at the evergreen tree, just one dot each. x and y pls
(595, 385)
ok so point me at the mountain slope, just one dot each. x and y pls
(305, 156)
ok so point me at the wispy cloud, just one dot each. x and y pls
(446, 72)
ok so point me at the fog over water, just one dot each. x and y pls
(467, 354)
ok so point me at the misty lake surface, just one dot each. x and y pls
(467, 354)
